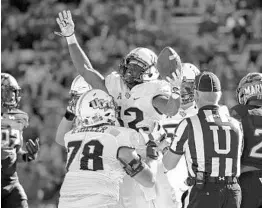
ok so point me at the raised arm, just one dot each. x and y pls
(79, 58)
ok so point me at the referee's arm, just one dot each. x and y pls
(177, 147)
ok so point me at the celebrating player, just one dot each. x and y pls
(13, 121)
(249, 113)
(136, 87)
(188, 108)
(78, 87)
(100, 154)
(141, 96)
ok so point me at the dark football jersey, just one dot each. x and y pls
(12, 125)
(251, 119)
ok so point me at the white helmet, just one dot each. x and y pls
(139, 66)
(78, 87)
(190, 72)
(95, 107)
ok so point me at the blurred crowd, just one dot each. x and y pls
(225, 37)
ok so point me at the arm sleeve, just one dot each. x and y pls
(180, 138)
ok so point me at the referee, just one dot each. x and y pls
(212, 143)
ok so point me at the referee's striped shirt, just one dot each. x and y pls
(212, 143)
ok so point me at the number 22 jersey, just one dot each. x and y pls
(12, 126)
(251, 119)
(94, 174)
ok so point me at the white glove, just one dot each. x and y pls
(65, 23)
(157, 135)
(175, 83)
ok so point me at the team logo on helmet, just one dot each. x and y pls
(249, 87)
(96, 107)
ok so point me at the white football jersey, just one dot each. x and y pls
(94, 174)
(170, 123)
(178, 175)
(135, 105)
(137, 111)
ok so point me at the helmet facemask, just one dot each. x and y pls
(10, 95)
(135, 70)
(187, 91)
(74, 96)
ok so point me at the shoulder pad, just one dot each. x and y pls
(239, 111)
(20, 117)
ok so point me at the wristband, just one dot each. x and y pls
(151, 150)
(26, 157)
(131, 170)
(69, 116)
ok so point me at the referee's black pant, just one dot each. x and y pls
(213, 195)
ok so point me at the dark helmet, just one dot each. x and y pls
(249, 88)
(10, 91)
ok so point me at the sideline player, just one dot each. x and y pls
(142, 97)
(177, 176)
(99, 154)
(249, 113)
(212, 142)
(13, 121)
(78, 87)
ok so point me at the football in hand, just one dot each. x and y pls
(168, 62)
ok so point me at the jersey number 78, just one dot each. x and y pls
(91, 155)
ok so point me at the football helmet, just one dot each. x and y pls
(10, 91)
(189, 72)
(95, 107)
(78, 87)
(249, 87)
(139, 66)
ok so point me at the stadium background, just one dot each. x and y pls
(223, 36)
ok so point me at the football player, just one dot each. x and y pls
(100, 154)
(78, 87)
(141, 96)
(13, 121)
(136, 87)
(249, 113)
(188, 108)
